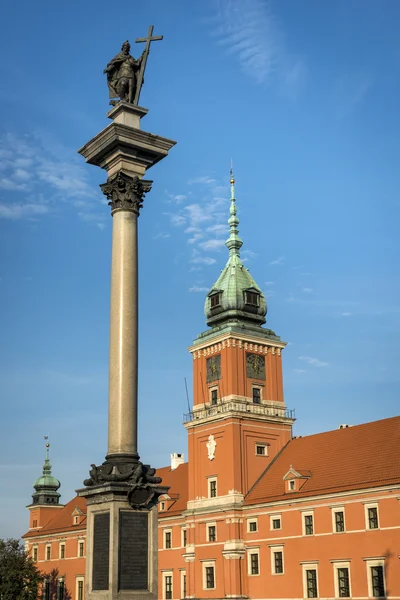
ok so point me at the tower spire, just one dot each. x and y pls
(233, 243)
(46, 486)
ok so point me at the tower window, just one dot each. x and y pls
(214, 396)
(256, 395)
(210, 579)
(212, 488)
(215, 300)
(261, 450)
(212, 533)
(252, 298)
(34, 524)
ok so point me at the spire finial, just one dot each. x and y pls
(234, 243)
(47, 465)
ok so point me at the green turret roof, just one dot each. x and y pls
(46, 485)
(235, 301)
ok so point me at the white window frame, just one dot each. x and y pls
(375, 562)
(48, 546)
(289, 485)
(208, 525)
(162, 506)
(166, 574)
(183, 531)
(261, 445)
(76, 520)
(248, 525)
(250, 552)
(313, 565)
(183, 586)
(304, 514)
(272, 518)
(340, 565)
(209, 481)
(81, 542)
(335, 510)
(78, 579)
(35, 550)
(277, 548)
(205, 564)
(165, 531)
(366, 507)
(210, 391)
(61, 544)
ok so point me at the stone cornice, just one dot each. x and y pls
(209, 347)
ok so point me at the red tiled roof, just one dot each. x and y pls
(62, 520)
(177, 480)
(341, 460)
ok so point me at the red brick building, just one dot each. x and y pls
(255, 513)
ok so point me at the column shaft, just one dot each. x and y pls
(123, 361)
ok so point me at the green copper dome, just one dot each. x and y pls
(46, 485)
(235, 296)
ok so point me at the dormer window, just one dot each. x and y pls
(215, 300)
(252, 298)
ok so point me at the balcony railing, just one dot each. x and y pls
(250, 408)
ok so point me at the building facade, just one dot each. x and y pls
(255, 512)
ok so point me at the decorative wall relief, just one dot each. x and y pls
(211, 445)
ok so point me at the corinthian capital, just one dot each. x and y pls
(125, 193)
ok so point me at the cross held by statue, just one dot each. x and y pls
(150, 38)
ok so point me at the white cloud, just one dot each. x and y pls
(197, 214)
(203, 260)
(300, 370)
(205, 180)
(212, 244)
(161, 236)
(269, 283)
(196, 288)
(177, 220)
(248, 255)
(315, 362)
(8, 184)
(347, 314)
(278, 261)
(178, 198)
(307, 290)
(18, 211)
(218, 228)
(250, 32)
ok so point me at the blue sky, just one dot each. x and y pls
(304, 98)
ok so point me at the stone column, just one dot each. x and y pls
(122, 492)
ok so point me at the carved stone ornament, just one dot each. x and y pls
(213, 368)
(144, 487)
(125, 192)
(211, 445)
(255, 366)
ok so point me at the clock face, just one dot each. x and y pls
(213, 368)
(255, 366)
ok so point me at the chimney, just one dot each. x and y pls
(176, 460)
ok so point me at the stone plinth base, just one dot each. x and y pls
(121, 546)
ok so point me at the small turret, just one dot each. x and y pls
(46, 485)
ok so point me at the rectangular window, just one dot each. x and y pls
(80, 589)
(210, 579)
(168, 587)
(252, 298)
(254, 567)
(261, 450)
(46, 590)
(278, 562)
(48, 552)
(292, 485)
(215, 300)
(311, 583)
(343, 582)
(183, 585)
(80, 549)
(212, 533)
(35, 554)
(339, 521)
(252, 526)
(62, 550)
(184, 538)
(372, 518)
(212, 488)
(256, 395)
(377, 584)
(60, 589)
(214, 396)
(34, 524)
(167, 540)
(308, 528)
(276, 523)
